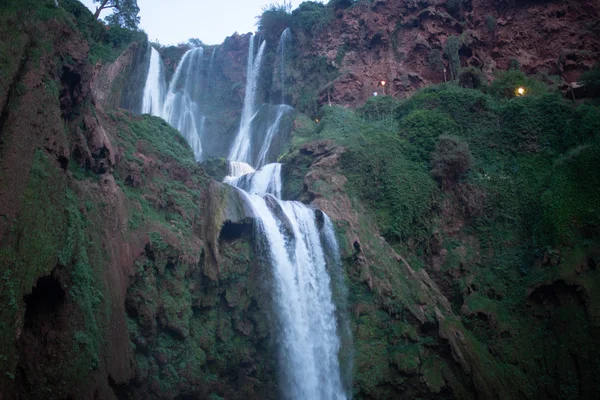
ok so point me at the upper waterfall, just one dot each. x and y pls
(182, 105)
(281, 53)
(154, 90)
(240, 151)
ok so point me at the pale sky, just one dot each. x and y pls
(175, 21)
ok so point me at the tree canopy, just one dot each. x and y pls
(125, 12)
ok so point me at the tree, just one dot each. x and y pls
(453, 45)
(125, 12)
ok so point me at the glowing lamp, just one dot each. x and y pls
(521, 91)
(382, 83)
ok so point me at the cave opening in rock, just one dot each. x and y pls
(232, 231)
(46, 298)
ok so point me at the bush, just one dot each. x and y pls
(506, 83)
(311, 17)
(378, 108)
(451, 49)
(340, 3)
(490, 21)
(591, 79)
(422, 127)
(471, 78)
(455, 6)
(570, 204)
(450, 160)
(436, 61)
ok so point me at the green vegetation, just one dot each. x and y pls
(275, 18)
(435, 60)
(591, 79)
(311, 17)
(471, 78)
(517, 175)
(490, 22)
(105, 44)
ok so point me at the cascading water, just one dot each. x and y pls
(280, 112)
(182, 109)
(285, 38)
(240, 151)
(306, 315)
(154, 90)
(277, 113)
(297, 241)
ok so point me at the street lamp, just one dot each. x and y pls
(383, 85)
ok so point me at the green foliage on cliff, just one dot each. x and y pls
(517, 208)
(275, 18)
(311, 17)
(451, 48)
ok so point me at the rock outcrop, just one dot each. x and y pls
(406, 43)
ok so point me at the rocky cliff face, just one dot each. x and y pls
(406, 43)
(120, 275)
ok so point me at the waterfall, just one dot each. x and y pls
(265, 180)
(294, 245)
(154, 90)
(273, 129)
(182, 108)
(211, 66)
(298, 242)
(285, 37)
(240, 150)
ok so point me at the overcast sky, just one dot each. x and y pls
(175, 21)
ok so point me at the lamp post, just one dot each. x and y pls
(383, 86)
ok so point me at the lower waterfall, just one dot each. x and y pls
(293, 240)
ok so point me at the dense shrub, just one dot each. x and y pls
(435, 60)
(311, 17)
(506, 83)
(422, 127)
(454, 7)
(378, 108)
(591, 79)
(450, 160)
(570, 204)
(514, 64)
(471, 78)
(490, 22)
